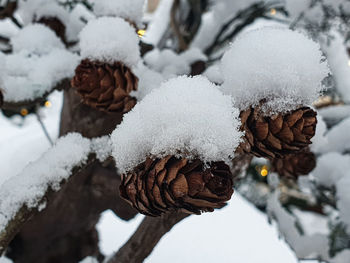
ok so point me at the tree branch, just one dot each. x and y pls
(17, 106)
(248, 16)
(26, 201)
(175, 26)
(152, 229)
(146, 237)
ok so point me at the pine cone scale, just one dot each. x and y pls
(104, 86)
(278, 135)
(295, 165)
(177, 184)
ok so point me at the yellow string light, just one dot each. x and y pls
(273, 11)
(48, 104)
(24, 112)
(141, 32)
(264, 171)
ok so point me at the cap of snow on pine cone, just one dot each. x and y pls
(130, 10)
(263, 65)
(272, 83)
(104, 79)
(171, 149)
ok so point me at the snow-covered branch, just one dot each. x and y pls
(28, 192)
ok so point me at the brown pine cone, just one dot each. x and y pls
(295, 165)
(157, 186)
(55, 25)
(104, 86)
(278, 135)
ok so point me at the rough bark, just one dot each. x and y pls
(146, 237)
(65, 230)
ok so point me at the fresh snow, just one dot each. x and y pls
(333, 170)
(36, 39)
(262, 64)
(160, 23)
(185, 116)
(33, 10)
(171, 64)
(29, 76)
(131, 10)
(335, 114)
(148, 80)
(110, 39)
(317, 242)
(102, 146)
(30, 186)
(338, 60)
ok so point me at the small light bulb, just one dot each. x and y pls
(48, 104)
(24, 112)
(273, 11)
(349, 63)
(264, 171)
(141, 32)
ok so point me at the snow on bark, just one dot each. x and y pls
(30, 186)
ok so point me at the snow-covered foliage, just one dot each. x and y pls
(110, 39)
(262, 64)
(180, 118)
(317, 242)
(29, 76)
(219, 14)
(171, 64)
(36, 39)
(131, 10)
(339, 62)
(148, 80)
(29, 187)
(34, 10)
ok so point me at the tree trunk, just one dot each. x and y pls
(65, 230)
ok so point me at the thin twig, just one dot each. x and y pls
(16, 22)
(25, 213)
(43, 127)
(248, 16)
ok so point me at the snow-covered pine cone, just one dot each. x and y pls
(157, 186)
(55, 25)
(105, 86)
(277, 135)
(295, 165)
